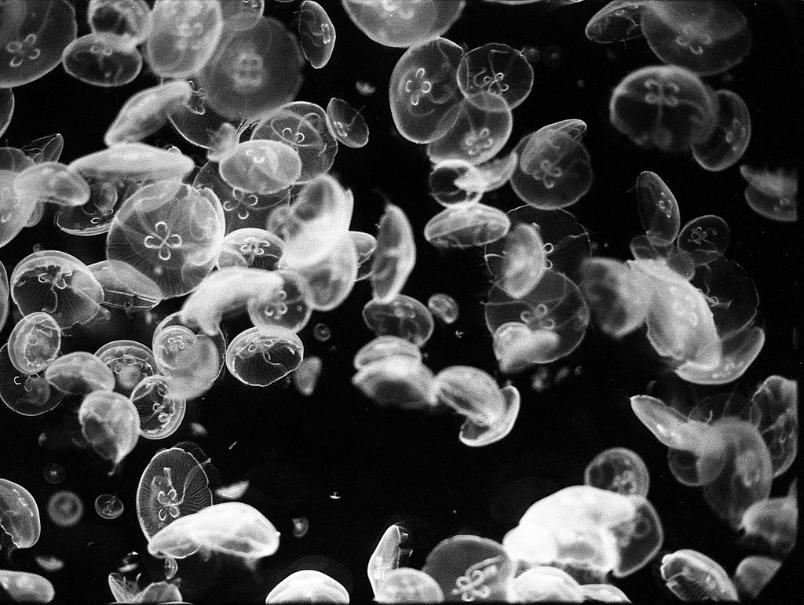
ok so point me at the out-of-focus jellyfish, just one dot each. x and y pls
(301, 525)
(316, 33)
(545, 583)
(171, 233)
(397, 380)
(666, 107)
(53, 183)
(386, 346)
(4, 292)
(33, 37)
(262, 355)
(692, 576)
(252, 71)
(305, 378)
(658, 209)
(772, 524)
(251, 247)
(444, 186)
(332, 279)
(738, 351)
(129, 361)
(731, 135)
(322, 332)
(387, 555)
(173, 485)
(34, 343)
(78, 373)
(6, 109)
(261, 166)
(466, 226)
(308, 586)
(395, 255)
(126, 18)
(160, 414)
(424, 90)
(443, 307)
(108, 506)
(517, 347)
(234, 491)
(776, 400)
(15, 211)
(346, 124)
(772, 194)
(183, 36)
(407, 585)
(604, 593)
(65, 508)
(45, 149)
(146, 112)
(469, 568)
(403, 316)
(125, 591)
(25, 394)
(403, 24)
(488, 176)
(620, 470)
(19, 514)
(242, 13)
(288, 305)
(365, 245)
(617, 297)
(705, 37)
(479, 127)
(497, 69)
(196, 121)
(54, 473)
(110, 423)
(231, 528)
(524, 260)
(102, 59)
(705, 238)
(617, 21)
(25, 587)
(116, 292)
(752, 575)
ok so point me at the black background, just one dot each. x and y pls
(386, 465)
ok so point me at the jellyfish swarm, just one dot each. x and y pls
(110, 424)
(19, 514)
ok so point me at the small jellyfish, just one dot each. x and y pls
(160, 415)
(618, 470)
(316, 33)
(346, 124)
(402, 24)
(738, 351)
(443, 307)
(444, 180)
(308, 585)
(403, 316)
(772, 194)
(126, 18)
(234, 491)
(301, 525)
(146, 112)
(731, 135)
(705, 238)
(110, 424)
(395, 255)
(692, 576)
(25, 587)
(251, 247)
(108, 506)
(102, 59)
(54, 473)
(497, 69)
(34, 343)
(79, 373)
(261, 166)
(400, 381)
(65, 508)
(19, 514)
(658, 209)
(51, 182)
(467, 226)
(289, 305)
(387, 555)
(408, 585)
(263, 355)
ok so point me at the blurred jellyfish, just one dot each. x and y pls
(497, 69)
(658, 209)
(365, 245)
(54, 473)
(317, 33)
(738, 351)
(403, 316)
(45, 149)
(692, 576)
(242, 13)
(308, 585)
(146, 112)
(443, 307)
(196, 121)
(125, 591)
(400, 381)
(79, 373)
(108, 506)
(776, 400)
(25, 394)
(305, 378)
(772, 523)
(545, 583)
(488, 176)
(110, 424)
(25, 587)
(65, 508)
(262, 355)
(387, 556)
(524, 260)
(752, 575)
(251, 247)
(322, 332)
(129, 361)
(51, 182)
(395, 255)
(15, 210)
(289, 305)
(772, 194)
(444, 186)
(191, 360)
(19, 515)
(616, 295)
(346, 123)
(407, 585)
(466, 226)
(731, 135)
(386, 346)
(102, 59)
(618, 470)
(261, 166)
(517, 347)
(160, 415)
(332, 279)
(617, 21)
(34, 343)
(4, 292)
(6, 109)
(127, 18)
(400, 24)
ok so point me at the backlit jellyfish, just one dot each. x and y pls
(466, 226)
(126, 591)
(705, 238)
(524, 260)
(45, 149)
(616, 296)
(25, 394)
(308, 586)
(730, 293)
(322, 332)
(666, 107)
(443, 307)
(65, 508)
(555, 304)
(171, 233)
(230, 528)
(173, 485)
(25, 587)
(469, 568)
(497, 69)
(490, 412)
(365, 245)
(387, 555)
(15, 211)
(19, 514)
(752, 575)
(772, 194)
(242, 12)
(738, 351)
(402, 24)
(620, 470)
(78, 373)
(116, 292)
(731, 135)
(488, 176)
(332, 279)
(658, 209)
(51, 182)
(316, 33)
(146, 112)
(6, 108)
(109, 506)
(102, 59)
(776, 400)
(617, 21)
(34, 343)
(253, 71)
(400, 381)
(32, 39)
(346, 123)
(251, 247)
(110, 424)
(705, 37)
(196, 121)
(517, 347)
(423, 90)
(479, 127)
(126, 18)
(262, 355)
(444, 186)
(129, 361)
(160, 414)
(692, 576)
(386, 346)
(545, 583)
(407, 585)
(305, 378)
(772, 523)
(403, 316)
(184, 36)
(395, 255)
(260, 166)
(288, 305)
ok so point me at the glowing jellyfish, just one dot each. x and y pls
(4, 292)
(305, 378)
(317, 33)
(126, 18)
(251, 247)
(242, 12)
(705, 238)
(365, 245)
(252, 71)
(403, 316)
(692, 576)
(497, 69)
(444, 307)
(776, 399)
(731, 135)
(658, 209)
(772, 194)
(616, 295)
(126, 591)
(51, 182)
(617, 21)
(466, 226)
(261, 166)
(45, 149)
(666, 107)
(752, 575)
(424, 91)
(146, 112)
(184, 36)
(260, 356)
(6, 108)
(517, 347)
(129, 361)
(308, 585)
(102, 59)
(288, 305)
(403, 24)
(444, 186)
(171, 233)
(25, 587)
(488, 176)
(397, 380)
(346, 124)
(395, 255)
(19, 515)
(772, 523)
(407, 585)
(110, 423)
(545, 583)
(34, 343)
(160, 414)
(15, 211)
(386, 346)
(116, 292)
(108, 506)
(387, 555)
(524, 260)
(65, 508)
(25, 394)
(196, 121)
(618, 470)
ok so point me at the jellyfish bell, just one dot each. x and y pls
(34, 343)
(146, 112)
(79, 373)
(518, 347)
(395, 255)
(260, 356)
(308, 585)
(691, 576)
(387, 555)
(110, 424)
(403, 316)
(397, 380)
(408, 585)
(544, 583)
(385, 346)
(19, 514)
(26, 587)
(476, 434)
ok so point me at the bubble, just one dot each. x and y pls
(108, 506)
(65, 508)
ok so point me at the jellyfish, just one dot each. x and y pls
(752, 575)
(196, 121)
(772, 194)
(79, 373)
(51, 182)
(365, 245)
(262, 355)
(395, 255)
(102, 59)
(617, 21)
(386, 346)
(497, 69)
(305, 378)
(44, 149)
(618, 298)
(346, 124)
(242, 12)
(731, 135)
(394, 380)
(288, 305)
(517, 347)
(108, 506)
(317, 33)
(34, 343)
(403, 24)
(19, 514)
(25, 394)
(620, 470)
(705, 238)
(524, 260)
(403, 316)
(15, 210)
(251, 247)
(331, 280)
(488, 176)
(25, 587)
(125, 591)
(545, 583)
(776, 400)
(308, 585)
(65, 508)
(658, 209)
(772, 523)
(444, 179)
(126, 18)
(692, 576)
(467, 226)
(738, 351)
(6, 109)
(116, 292)
(387, 555)
(261, 166)
(110, 424)
(407, 585)
(160, 415)
(146, 112)
(443, 307)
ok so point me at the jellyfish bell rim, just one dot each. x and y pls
(476, 435)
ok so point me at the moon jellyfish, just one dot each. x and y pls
(617, 297)
(108, 506)
(469, 567)
(196, 121)
(65, 508)
(772, 194)
(545, 583)
(497, 69)
(400, 381)
(173, 485)
(705, 238)
(407, 585)
(617, 21)
(54, 473)
(620, 470)
(524, 260)
(444, 307)
(25, 587)
(116, 292)
(316, 33)
(288, 305)
(346, 124)
(262, 167)
(692, 576)
(125, 591)
(395, 255)
(252, 71)
(666, 107)
(423, 90)
(160, 415)
(25, 394)
(19, 515)
(386, 346)
(365, 245)
(752, 575)
(466, 226)
(517, 347)
(129, 361)
(34, 343)
(184, 36)
(242, 12)
(102, 59)
(308, 586)
(658, 209)
(126, 18)
(776, 400)
(731, 135)
(706, 37)
(444, 186)
(230, 528)
(488, 176)
(262, 355)
(51, 182)
(738, 351)
(305, 378)
(6, 109)
(402, 24)
(110, 424)
(79, 373)
(15, 211)
(251, 247)
(772, 523)
(403, 316)
(146, 112)
(387, 555)
(45, 149)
